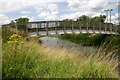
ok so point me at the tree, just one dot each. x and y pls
(22, 23)
(83, 18)
(100, 18)
(12, 24)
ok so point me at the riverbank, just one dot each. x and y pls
(92, 39)
(28, 59)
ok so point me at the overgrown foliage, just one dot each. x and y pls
(30, 60)
(92, 39)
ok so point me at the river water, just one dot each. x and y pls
(54, 42)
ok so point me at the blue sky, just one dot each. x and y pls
(40, 10)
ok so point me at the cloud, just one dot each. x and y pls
(25, 12)
(4, 19)
(114, 18)
(51, 12)
(71, 16)
(11, 6)
(97, 4)
(48, 15)
(91, 5)
(53, 7)
(77, 4)
(49, 9)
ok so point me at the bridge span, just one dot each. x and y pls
(44, 28)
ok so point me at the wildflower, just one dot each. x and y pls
(10, 42)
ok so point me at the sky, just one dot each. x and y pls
(47, 10)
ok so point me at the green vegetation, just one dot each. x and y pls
(20, 23)
(27, 59)
(92, 39)
(84, 39)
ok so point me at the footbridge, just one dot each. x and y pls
(45, 28)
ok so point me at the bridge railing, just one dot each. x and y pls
(71, 26)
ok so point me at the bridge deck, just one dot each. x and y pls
(43, 33)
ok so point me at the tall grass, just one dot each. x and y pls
(34, 61)
(85, 39)
(31, 60)
(92, 39)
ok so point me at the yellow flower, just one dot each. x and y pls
(10, 42)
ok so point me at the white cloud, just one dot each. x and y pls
(48, 15)
(53, 7)
(4, 19)
(88, 5)
(71, 16)
(77, 4)
(97, 4)
(51, 12)
(114, 18)
(48, 9)
(25, 12)
(10, 6)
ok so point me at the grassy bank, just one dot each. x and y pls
(92, 39)
(27, 59)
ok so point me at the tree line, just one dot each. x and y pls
(21, 23)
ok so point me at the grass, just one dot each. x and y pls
(85, 39)
(35, 61)
(31, 60)
(92, 39)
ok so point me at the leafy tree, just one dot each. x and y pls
(83, 18)
(22, 23)
(12, 24)
(100, 18)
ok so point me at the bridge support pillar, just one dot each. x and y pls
(87, 27)
(116, 29)
(72, 27)
(56, 27)
(93, 28)
(64, 28)
(105, 28)
(27, 28)
(36, 25)
(80, 24)
(111, 28)
(47, 28)
(99, 27)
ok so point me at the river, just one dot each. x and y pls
(54, 42)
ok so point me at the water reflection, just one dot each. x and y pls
(54, 42)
